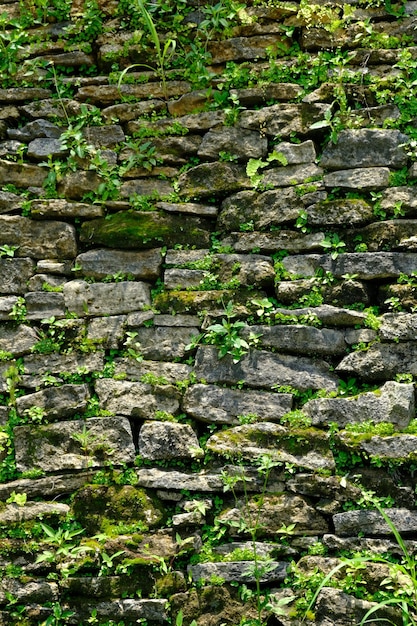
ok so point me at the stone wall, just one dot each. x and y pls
(208, 278)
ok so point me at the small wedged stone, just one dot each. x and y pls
(238, 572)
(99, 263)
(13, 513)
(340, 609)
(38, 240)
(342, 212)
(388, 235)
(89, 299)
(202, 181)
(399, 196)
(244, 144)
(364, 178)
(39, 282)
(40, 149)
(367, 266)
(301, 339)
(107, 331)
(368, 523)
(393, 402)
(21, 174)
(136, 399)
(134, 371)
(381, 361)
(58, 208)
(283, 119)
(251, 97)
(244, 48)
(43, 305)
(167, 441)
(214, 405)
(173, 480)
(162, 343)
(304, 448)
(29, 592)
(291, 175)
(17, 340)
(398, 327)
(54, 447)
(366, 148)
(132, 110)
(262, 369)
(278, 510)
(57, 402)
(9, 202)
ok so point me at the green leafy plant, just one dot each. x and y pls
(58, 616)
(333, 244)
(254, 165)
(164, 53)
(398, 589)
(227, 336)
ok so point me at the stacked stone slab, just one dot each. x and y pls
(119, 417)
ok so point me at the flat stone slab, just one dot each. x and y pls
(173, 480)
(309, 449)
(136, 399)
(57, 402)
(263, 369)
(98, 264)
(366, 148)
(367, 266)
(301, 339)
(278, 510)
(381, 361)
(283, 119)
(239, 571)
(59, 208)
(393, 402)
(364, 178)
(14, 514)
(38, 240)
(54, 447)
(351, 523)
(87, 299)
(272, 242)
(216, 405)
(399, 447)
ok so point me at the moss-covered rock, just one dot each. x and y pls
(101, 509)
(128, 230)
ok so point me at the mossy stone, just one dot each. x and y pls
(99, 507)
(146, 230)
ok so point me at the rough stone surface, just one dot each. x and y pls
(54, 447)
(264, 369)
(101, 263)
(372, 523)
(57, 403)
(239, 572)
(85, 299)
(366, 148)
(381, 361)
(45, 240)
(136, 399)
(394, 403)
(168, 440)
(301, 339)
(211, 404)
(251, 441)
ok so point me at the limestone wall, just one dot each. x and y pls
(208, 309)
